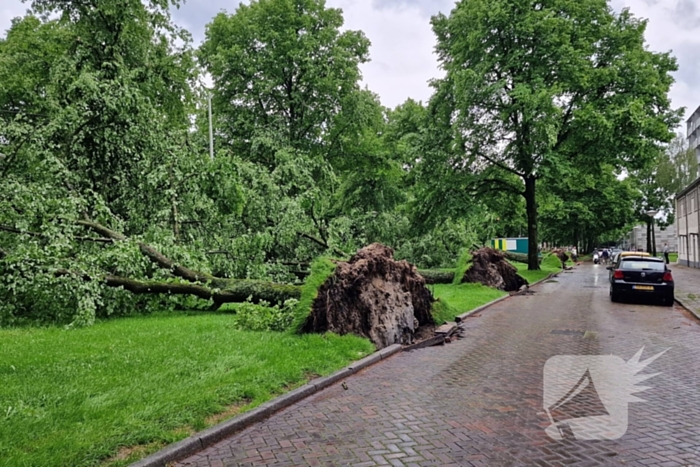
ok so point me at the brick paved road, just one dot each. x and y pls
(478, 401)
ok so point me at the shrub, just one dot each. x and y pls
(263, 317)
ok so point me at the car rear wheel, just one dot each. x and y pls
(614, 296)
(668, 300)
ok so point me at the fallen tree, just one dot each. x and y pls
(563, 257)
(489, 267)
(519, 257)
(437, 277)
(232, 291)
(371, 295)
(374, 296)
(198, 284)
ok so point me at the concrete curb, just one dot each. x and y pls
(554, 274)
(465, 315)
(687, 308)
(206, 438)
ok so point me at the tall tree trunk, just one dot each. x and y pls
(653, 237)
(648, 236)
(531, 202)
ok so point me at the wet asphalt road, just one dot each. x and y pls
(479, 401)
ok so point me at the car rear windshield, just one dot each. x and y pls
(642, 265)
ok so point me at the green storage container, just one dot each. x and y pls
(514, 245)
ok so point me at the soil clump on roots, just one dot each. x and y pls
(374, 296)
(490, 268)
(563, 257)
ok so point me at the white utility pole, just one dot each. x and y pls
(211, 133)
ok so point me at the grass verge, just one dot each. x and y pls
(672, 257)
(114, 392)
(458, 299)
(550, 265)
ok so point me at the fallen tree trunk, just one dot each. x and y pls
(436, 277)
(202, 285)
(518, 257)
(232, 291)
(227, 291)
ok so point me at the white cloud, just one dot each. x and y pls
(402, 39)
(402, 60)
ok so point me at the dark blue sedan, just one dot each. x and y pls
(636, 276)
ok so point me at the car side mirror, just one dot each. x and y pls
(609, 268)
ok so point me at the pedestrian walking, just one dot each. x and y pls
(666, 253)
(574, 254)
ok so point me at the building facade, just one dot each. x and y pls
(687, 219)
(693, 132)
(637, 238)
(688, 225)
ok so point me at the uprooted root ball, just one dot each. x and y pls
(374, 296)
(490, 268)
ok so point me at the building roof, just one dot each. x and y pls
(697, 111)
(687, 189)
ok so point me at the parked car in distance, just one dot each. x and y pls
(623, 254)
(641, 276)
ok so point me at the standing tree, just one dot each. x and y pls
(679, 166)
(281, 67)
(673, 168)
(540, 86)
(584, 209)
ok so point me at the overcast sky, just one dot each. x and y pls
(402, 59)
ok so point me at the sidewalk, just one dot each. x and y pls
(687, 287)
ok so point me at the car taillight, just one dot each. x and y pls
(668, 277)
(618, 274)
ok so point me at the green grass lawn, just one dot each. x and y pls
(672, 257)
(461, 298)
(549, 265)
(79, 397)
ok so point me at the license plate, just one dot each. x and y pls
(643, 287)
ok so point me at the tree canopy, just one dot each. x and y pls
(538, 88)
(551, 121)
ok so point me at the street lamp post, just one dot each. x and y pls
(211, 132)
